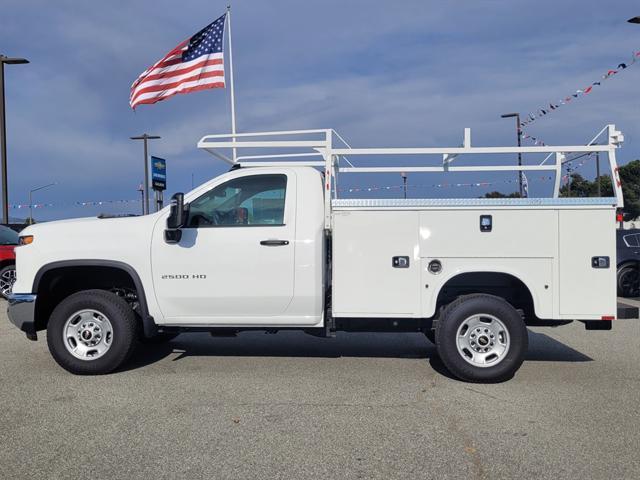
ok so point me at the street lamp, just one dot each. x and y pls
(141, 190)
(3, 134)
(146, 137)
(519, 135)
(31, 197)
(634, 20)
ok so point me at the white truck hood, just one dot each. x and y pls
(121, 239)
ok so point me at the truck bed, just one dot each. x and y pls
(547, 244)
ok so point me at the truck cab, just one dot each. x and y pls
(251, 252)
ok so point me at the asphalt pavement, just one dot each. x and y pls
(291, 406)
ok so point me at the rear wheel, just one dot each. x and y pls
(481, 338)
(7, 279)
(628, 281)
(92, 332)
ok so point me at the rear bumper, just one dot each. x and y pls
(21, 312)
(624, 312)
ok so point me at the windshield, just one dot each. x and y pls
(8, 236)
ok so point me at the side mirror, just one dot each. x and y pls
(176, 219)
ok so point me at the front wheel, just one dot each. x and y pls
(92, 332)
(481, 338)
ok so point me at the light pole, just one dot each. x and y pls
(404, 183)
(31, 199)
(519, 134)
(598, 173)
(146, 137)
(3, 134)
(620, 215)
(141, 190)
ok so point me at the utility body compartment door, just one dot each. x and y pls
(376, 264)
(587, 292)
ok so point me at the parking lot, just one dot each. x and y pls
(294, 406)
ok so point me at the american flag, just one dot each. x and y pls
(195, 64)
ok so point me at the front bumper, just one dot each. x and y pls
(21, 311)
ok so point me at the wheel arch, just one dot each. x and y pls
(6, 262)
(504, 284)
(56, 271)
(628, 263)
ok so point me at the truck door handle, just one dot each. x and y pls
(274, 243)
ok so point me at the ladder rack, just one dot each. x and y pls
(325, 148)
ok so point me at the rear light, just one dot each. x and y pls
(25, 240)
(608, 317)
(619, 217)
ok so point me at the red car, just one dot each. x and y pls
(8, 242)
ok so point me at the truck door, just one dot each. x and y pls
(235, 261)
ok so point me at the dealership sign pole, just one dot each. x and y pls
(158, 179)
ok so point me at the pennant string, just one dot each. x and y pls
(541, 112)
(74, 204)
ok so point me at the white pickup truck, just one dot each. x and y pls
(269, 246)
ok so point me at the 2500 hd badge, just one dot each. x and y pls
(193, 276)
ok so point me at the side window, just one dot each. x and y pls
(252, 200)
(631, 240)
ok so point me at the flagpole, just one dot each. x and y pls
(233, 100)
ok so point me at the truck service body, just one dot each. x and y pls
(268, 246)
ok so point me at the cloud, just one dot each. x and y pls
(406, 73)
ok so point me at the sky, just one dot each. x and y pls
(404, 73)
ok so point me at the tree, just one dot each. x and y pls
(581, 187)
(629, 178)
(496, 194)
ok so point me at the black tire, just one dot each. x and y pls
(628, 279)
(458, 313)
(159, 338)
(7, 279)
(431, 335)
(123, 324)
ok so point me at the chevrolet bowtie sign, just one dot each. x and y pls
(159, 173)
